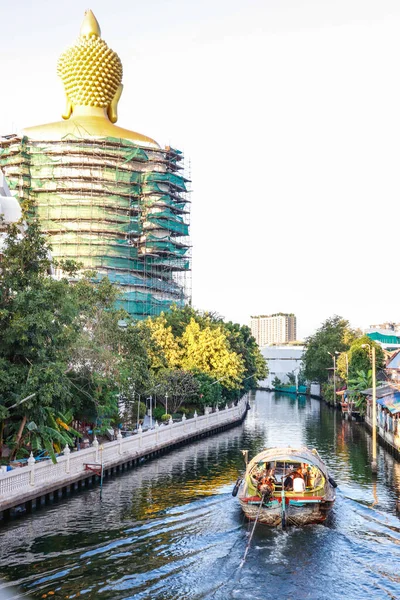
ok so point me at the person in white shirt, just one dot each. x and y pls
(299, 485)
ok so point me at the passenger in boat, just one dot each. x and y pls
(270, 473)
(298, 481)
(288, 483)
(266, 486)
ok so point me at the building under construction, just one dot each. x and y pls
(108, 198)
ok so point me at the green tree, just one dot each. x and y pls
(244, 344)
(334, 335)
(180, 386)
(210, 391)
(276, 382)
(60, 344)
(39, 321)
(359, 358)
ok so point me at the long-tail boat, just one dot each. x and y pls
(283, 486)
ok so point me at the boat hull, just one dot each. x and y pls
(296, 513)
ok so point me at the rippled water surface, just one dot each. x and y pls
(171, 529)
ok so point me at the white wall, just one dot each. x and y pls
(10, 209)
(281, 360)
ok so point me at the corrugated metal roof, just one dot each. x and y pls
(392, 403)
(381, 391)
(384, 338)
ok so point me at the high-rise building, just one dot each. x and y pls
(278, 328)
(109, 198)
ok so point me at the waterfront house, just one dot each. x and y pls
(388, 413)
(393, 367)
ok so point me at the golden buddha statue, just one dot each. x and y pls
(92, 76)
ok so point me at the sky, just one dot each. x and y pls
(288, 112)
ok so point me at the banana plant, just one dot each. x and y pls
(53, 434)
(362, 381)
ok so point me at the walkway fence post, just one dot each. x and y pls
(119, 438)
(31, 465)
(140, 435)
(66, 453)
(157, 427)
(96, 448)
(184, 422)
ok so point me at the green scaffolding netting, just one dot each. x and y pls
(99, 200)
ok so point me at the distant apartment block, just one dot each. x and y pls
(388, 326)
(279, 328)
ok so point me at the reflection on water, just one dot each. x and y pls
(171, 529)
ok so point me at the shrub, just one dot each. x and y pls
(276, 382)
(158, 412)
(165, 417)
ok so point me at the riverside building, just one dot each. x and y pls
(279, 328)
(109, 198)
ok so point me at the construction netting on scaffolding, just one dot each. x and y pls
(116, 208)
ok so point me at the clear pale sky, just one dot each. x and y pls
(289, 113)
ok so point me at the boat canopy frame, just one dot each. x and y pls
(304, 455)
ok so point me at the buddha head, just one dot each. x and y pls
(91, 72)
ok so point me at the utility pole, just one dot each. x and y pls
(371, 350)
(374, 465)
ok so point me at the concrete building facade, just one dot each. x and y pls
(10, 210)
(281, 361)
(279, 328)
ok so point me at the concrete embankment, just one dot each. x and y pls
(27, 488)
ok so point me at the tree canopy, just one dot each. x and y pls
(334, 336)
(67, 354)
(359, 358)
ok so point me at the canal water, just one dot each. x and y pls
(171, 529)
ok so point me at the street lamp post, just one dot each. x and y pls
(138, 416)
(371, 349)
(150, 398)
(150, 415)
(334, 375)
(347, 367)
(166, 403)
(296, 376)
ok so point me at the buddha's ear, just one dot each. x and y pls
(68, 110)
(112, 108)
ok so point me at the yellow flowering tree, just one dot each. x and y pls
(207, 349)
(166, 351)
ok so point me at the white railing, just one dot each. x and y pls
(24, 480)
